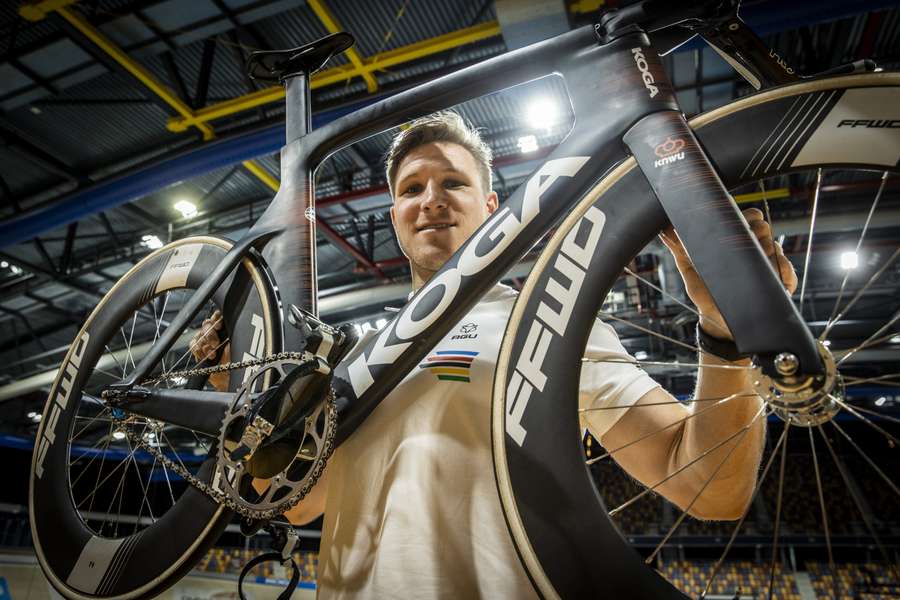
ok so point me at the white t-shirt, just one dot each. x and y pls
(412, 508)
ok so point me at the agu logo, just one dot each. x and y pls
(450, 365)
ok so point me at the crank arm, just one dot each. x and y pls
(200, 411)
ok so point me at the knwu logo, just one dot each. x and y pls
(669, 151)
(644, 68)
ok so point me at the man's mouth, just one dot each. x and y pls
(434, 226)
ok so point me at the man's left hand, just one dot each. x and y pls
(710, 318)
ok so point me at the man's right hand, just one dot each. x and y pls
(205, 345)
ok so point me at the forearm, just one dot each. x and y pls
(728, 424)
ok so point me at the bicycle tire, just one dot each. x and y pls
(581, 553)
(79, 562)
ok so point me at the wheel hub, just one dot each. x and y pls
(803, 400)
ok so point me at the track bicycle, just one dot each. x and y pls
(129, 391)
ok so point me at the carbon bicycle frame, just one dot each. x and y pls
(623, 104)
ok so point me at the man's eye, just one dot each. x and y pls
(453, 183)
(413, 189)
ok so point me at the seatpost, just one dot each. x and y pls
(297, 107)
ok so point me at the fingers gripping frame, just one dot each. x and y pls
(745, 287)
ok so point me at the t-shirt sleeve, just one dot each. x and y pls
(617, 381)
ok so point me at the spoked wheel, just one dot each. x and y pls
(557, 517)
(108, 518)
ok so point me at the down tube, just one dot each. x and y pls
(608, 96)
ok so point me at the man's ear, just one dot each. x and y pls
(493, 201)
(393, 218)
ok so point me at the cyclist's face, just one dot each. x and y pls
(438, 203)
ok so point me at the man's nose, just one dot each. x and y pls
(433, 198)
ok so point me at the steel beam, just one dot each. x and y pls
(331, 24)
(338, 74)
(133, 67)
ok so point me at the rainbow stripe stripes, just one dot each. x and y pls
(450, 365)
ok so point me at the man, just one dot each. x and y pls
(410, 503)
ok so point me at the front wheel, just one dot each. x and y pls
(108, 519)
(558, 520)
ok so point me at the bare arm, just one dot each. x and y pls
(310, 508)
(712, 457)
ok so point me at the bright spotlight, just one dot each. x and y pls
(151, 241)
(880, 401)
(542, 114)
(849, 260)
(527, 143)
(3, 264)
(826, 343)
(895, 339)
(640, 355)
(118, 435)
(34, 416)
(186, 208)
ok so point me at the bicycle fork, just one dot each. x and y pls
(726, 254)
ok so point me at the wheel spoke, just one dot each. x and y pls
(676, 364)
(691, 415)
(697, 458)
(685, 510)
(89, 423)
(188, 351)
(867, 459)
(118, 364)
(812, 226)
(859, 380)
(740, 522)
(845, 476)
(812, 446)
(775, 535)
(868, 341)
(103, 440)
(862, 235)
(669, 295)
(682, 402)
(877, 414)
(859, 293)
(105, 479)
(852, 410)
(650, 332)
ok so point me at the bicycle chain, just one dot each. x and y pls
(219, 496)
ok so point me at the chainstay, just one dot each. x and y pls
(219, 496)
(224, 499)
(231, 366)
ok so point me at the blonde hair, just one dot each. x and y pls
(442, 126)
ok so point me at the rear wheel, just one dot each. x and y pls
(559, 520)
(108, 518)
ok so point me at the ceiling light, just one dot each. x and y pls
(527, 143)
(849, 260)
(542, 113)
(186, 208)
(640, 355)
(3, 264)
(15, 270)
(826, 343)
(34, 416)
(151, 241)
(895, 339)
(880, 401)
(118, 435)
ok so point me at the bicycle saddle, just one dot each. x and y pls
(274, 66)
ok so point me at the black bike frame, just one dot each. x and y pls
(614, 86)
